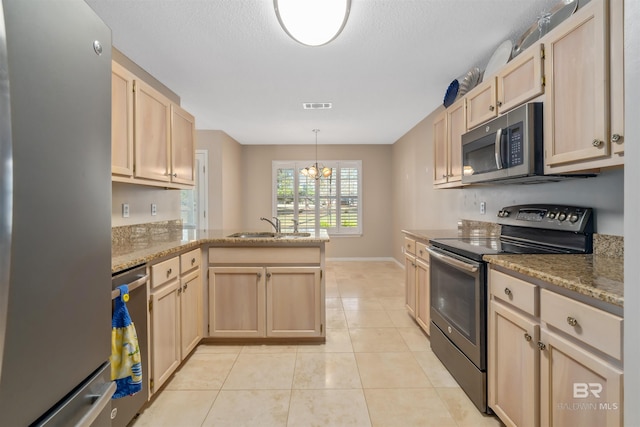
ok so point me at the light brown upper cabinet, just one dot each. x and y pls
(448, 130)
(182, 146)
(151, 133)
(521, 79)
(584, 104)
(153, 140)
(516, 83)
(121, 120)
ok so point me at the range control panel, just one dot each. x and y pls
(550, 217)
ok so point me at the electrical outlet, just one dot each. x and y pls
(154, 209)
(125, 210)
(483, 208)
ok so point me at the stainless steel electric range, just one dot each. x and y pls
(459, 282)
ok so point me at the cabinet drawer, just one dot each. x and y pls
(595, 327)
(260, 256)
(409, 245)
(517, 292)
(421, 251)
(190, 261)
(164, 271)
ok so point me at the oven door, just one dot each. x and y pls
(458, 302)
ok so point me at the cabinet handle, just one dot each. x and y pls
(193, 261)
(268, 275)
(168, 272)
(259, 275)
(179, 291)
(527, 337)
(541, 345)
(572, 321)
(499, 104)
(491, 108)
(184, 288)
(616, 137)
(596, 143)
(508, 292)
(420, 251)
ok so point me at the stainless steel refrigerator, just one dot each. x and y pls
(55, 214)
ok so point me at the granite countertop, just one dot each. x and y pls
(432, 234)
(595, 276)
(130, 252)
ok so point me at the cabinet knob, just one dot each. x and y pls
(491, 108)
(168, 272)
(508, 292)
(193, 261)
(268, 275)
(259, 275)
(499, 104)
(184, 288)
(616, 137)
(179, 291)
(175, 175)
(596, 143)
(527, 337)
(572, 321)
(541, 345)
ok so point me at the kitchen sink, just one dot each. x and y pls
(268, 235)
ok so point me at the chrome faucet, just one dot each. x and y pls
(276, 224)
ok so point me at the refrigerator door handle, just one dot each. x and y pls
(98, 406)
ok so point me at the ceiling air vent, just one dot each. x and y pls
(316, 105)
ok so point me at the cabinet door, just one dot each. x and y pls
(294, 302)
(165, 333)
(513, 366)
(121, 120)
(481, 103)
(182, 146)
(410, 283)
(236, 302)
(423, 297)
(456, 126)
(440, 151)
(576, 110)
(576, 387)
(521, 79)
(616, 75)
(190, 312)
(151, 135)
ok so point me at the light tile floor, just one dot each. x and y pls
(375, 369)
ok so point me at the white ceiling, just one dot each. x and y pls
(236, 70)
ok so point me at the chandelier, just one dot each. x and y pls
(312, 22)
(316, 171)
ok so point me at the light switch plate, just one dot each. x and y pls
(154, 209)
(483, 208)
(125, 210)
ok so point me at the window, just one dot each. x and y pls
(193, 203)
(332, 203)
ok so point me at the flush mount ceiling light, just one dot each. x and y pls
(316, 171)
(312, 22)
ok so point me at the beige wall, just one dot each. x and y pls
(140, 198)
(376, 183)
(226, 179)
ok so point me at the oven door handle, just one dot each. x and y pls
(452, 261)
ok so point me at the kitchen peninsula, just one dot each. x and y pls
(260, 287)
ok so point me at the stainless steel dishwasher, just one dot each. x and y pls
(123, 410)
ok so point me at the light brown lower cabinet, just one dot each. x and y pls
(259, 302)
(550, 361)
(175, 313)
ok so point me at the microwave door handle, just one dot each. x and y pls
(498, 148)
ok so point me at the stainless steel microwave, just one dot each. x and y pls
(508, 147)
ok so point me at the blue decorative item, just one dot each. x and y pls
(451, 94)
